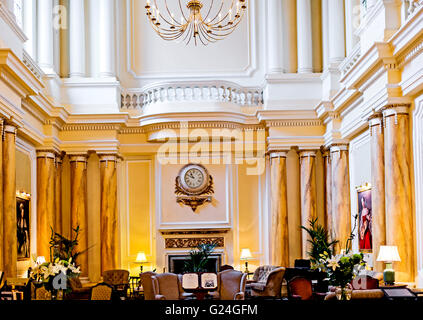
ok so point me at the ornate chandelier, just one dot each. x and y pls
(200, 23)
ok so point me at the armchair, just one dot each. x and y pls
(119, 280)
(231, 285)
(147, 285)
(167, 286)
(267, 282)
(79, 291)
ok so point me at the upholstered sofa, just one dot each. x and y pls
(267, 282)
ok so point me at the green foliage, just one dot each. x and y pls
(199, 258)
(64, 249)
(320, 243)
(342, 269)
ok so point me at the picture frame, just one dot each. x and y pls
(23, 228)
(364, 208)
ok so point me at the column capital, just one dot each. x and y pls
(307, 153)
(396, 109)
(338, 147)
(325, 151)
(108, 157)
(375, 119)
(278, 154)
(46, 154)
(10, 128)
(78, 158)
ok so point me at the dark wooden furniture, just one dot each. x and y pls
(318, 279)
(300, 288)
(200, 293)
(136, 290)
(399, 294)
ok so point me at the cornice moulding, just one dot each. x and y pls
(10, 20)
(17, 74)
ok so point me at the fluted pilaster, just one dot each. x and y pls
(378, 187)
(108, 212)
(341, 203)
(398, 191)
(308, 194)
(10, 253)
(79, 218)
(279, 227)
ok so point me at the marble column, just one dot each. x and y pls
(341, 201)
(327, 176)
(76, 38)
(45, 201)
(1, 194)
(79, 218)
(45, 55)
(377, 145)
(336, 38)
(398, 191)
(308, 194)
(304, 34)
(275, 37)
(58, 217)
(279, 227)
(108, 212)
(10, 253)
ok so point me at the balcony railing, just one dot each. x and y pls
(179, 92)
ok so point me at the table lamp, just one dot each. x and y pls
(246, 255)
(141, 258)
(388, 254)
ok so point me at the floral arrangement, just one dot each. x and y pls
(45, 273)
(342, 268)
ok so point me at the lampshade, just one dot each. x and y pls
(141, 258)
(388, 254)
(246, 254)
(40, 260)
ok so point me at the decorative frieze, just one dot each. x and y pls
(187, 243)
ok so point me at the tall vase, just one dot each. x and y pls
(343, 293)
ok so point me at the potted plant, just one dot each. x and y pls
(342, 268)
(320, 243)
(199, 258)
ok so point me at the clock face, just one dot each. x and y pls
(194, 178)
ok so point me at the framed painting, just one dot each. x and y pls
(365, 234)
(23, 228)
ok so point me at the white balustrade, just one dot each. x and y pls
(223, 92)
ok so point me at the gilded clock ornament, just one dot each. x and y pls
(194, 186)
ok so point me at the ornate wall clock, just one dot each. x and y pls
(194, 186)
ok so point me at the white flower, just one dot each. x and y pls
(333, 263)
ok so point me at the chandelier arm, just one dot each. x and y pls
(207, 35)
(217, 14)
(210, 8)
(160, 14)
(182, 11)
(228, 27)
(217, 23)
(188, 35)
(170, 14)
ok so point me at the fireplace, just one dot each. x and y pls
(176, 263)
